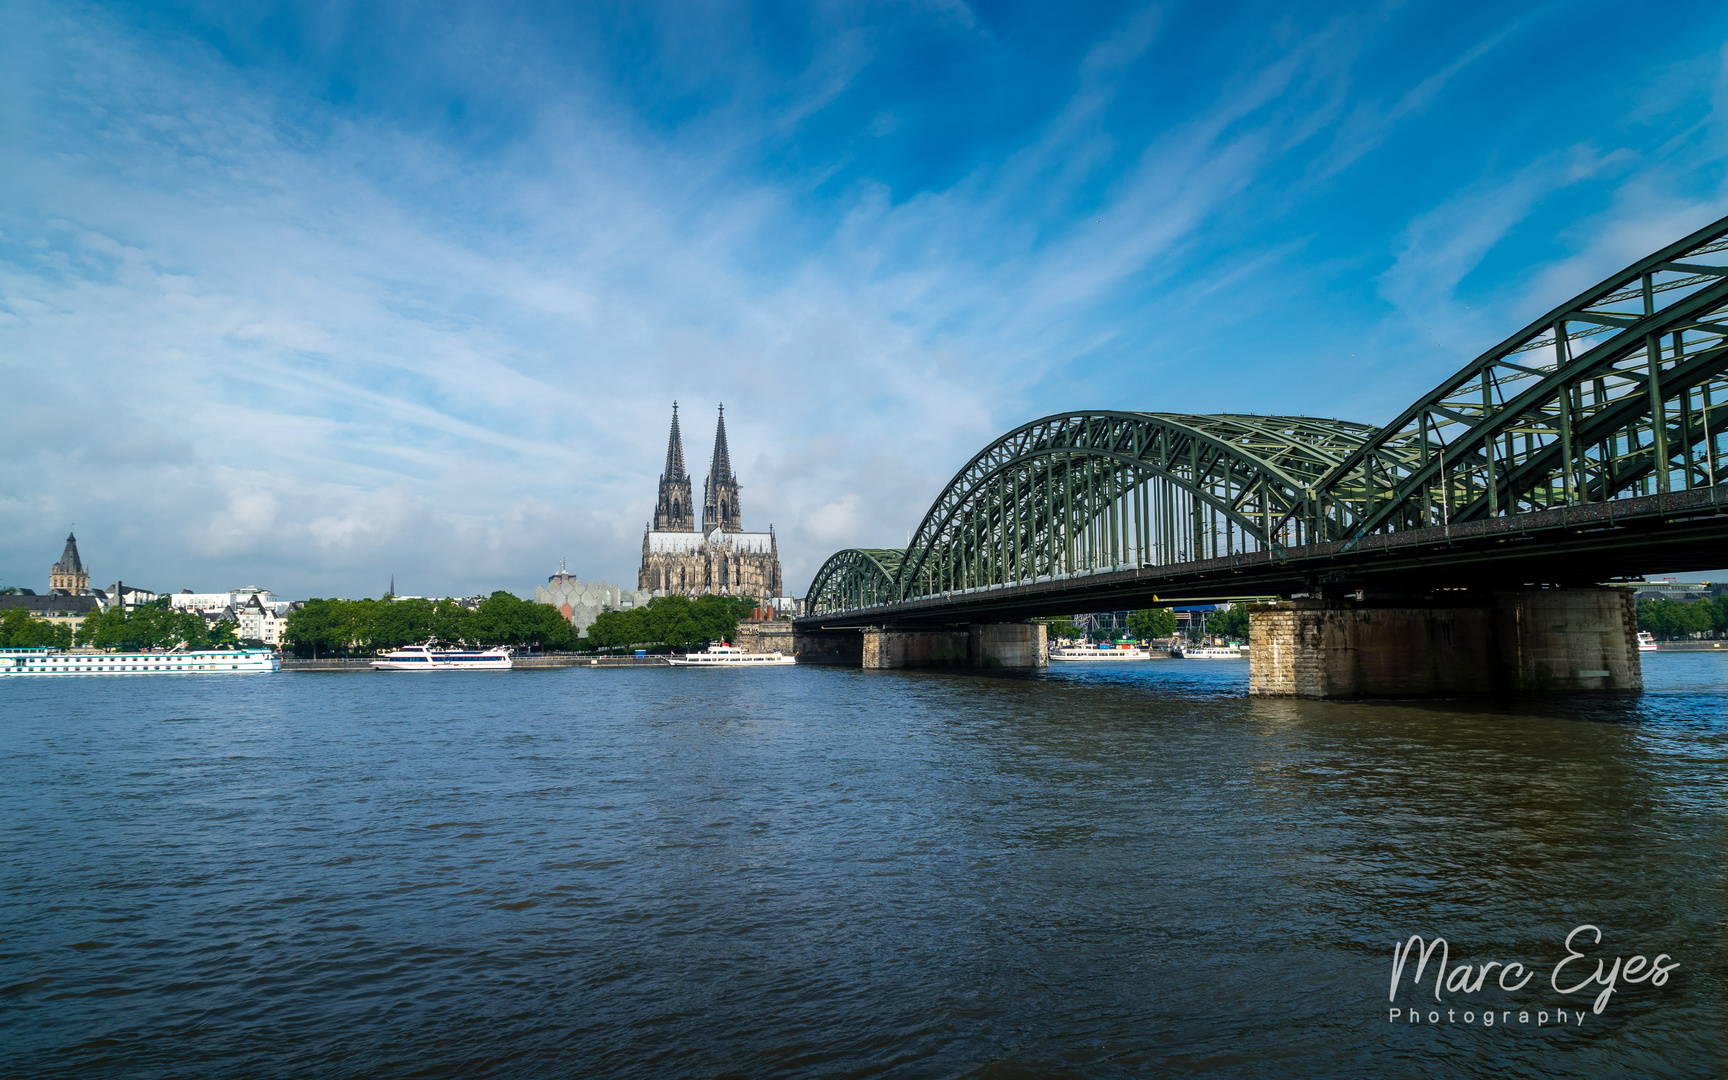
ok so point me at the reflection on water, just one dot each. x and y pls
(798, 872)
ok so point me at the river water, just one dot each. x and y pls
(827, 872)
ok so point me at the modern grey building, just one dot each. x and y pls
(581, 602)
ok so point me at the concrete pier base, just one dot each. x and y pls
(1008, 645)
(981, 645)
(888, 649)
(1503, 642)
(827, 646)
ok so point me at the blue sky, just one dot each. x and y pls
(304, 295)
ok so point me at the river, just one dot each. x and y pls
(824, 872)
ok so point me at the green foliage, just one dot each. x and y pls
(21, 630)
(1062, 629)
(348, 627)
(1230, 624)
(619, 629)
(676, 621)
(1149, 623)
(1679, 618)
(149, 627)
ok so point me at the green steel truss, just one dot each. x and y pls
(1080, 493)
(1619, 393)
(855, 578)
(1615, 394)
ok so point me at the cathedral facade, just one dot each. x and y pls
(719, 557)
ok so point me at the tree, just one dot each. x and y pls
(1149, 623)
(318, 628)
(506, 619)
(677, 621)
(717, 617)
(1063, 629)
(21, 630)
(619, 629)
(1674, 618)
(671, 621)
(1232, 623)
(149, 627)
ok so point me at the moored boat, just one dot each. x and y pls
(1209, 652)
(426, 658)
(1116, 650)
(177, 662)
(729, 656)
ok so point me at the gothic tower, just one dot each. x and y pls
(720, 490)
(674, 512)
(69, 574)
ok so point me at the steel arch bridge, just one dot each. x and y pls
(1604, 416)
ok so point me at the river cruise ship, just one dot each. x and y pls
(730, 656)
(1209, 652)
(427, 658)
(179, 662)
(1116, 650)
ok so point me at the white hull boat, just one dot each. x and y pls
(1117, 652)
(200, 662)
(1646, 641)
(1209, 652)
(730, 656)
(426, 658)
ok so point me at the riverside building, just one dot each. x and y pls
(581, 602)
(719, 558)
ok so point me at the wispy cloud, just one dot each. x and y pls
(290, 321)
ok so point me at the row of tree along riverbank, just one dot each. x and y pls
(336, 628)
(1679, 619)
(152, 627)
(1147, 624)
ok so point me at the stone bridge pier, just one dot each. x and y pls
(1478, 643)
(979, 645)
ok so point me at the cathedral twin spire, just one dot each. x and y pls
(674, 511)
(720, 490)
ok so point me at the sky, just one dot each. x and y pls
(308, 295)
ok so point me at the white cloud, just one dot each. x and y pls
(272, 341)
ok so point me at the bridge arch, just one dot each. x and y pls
(1617, 393)
(1081, 492)
(854, 578)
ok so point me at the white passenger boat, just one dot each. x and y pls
(1646, 641)
(427, 658)
(178, 662)
(1116, 650)
(1209, 652)
(729, 656)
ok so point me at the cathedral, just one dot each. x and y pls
(720, 557)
